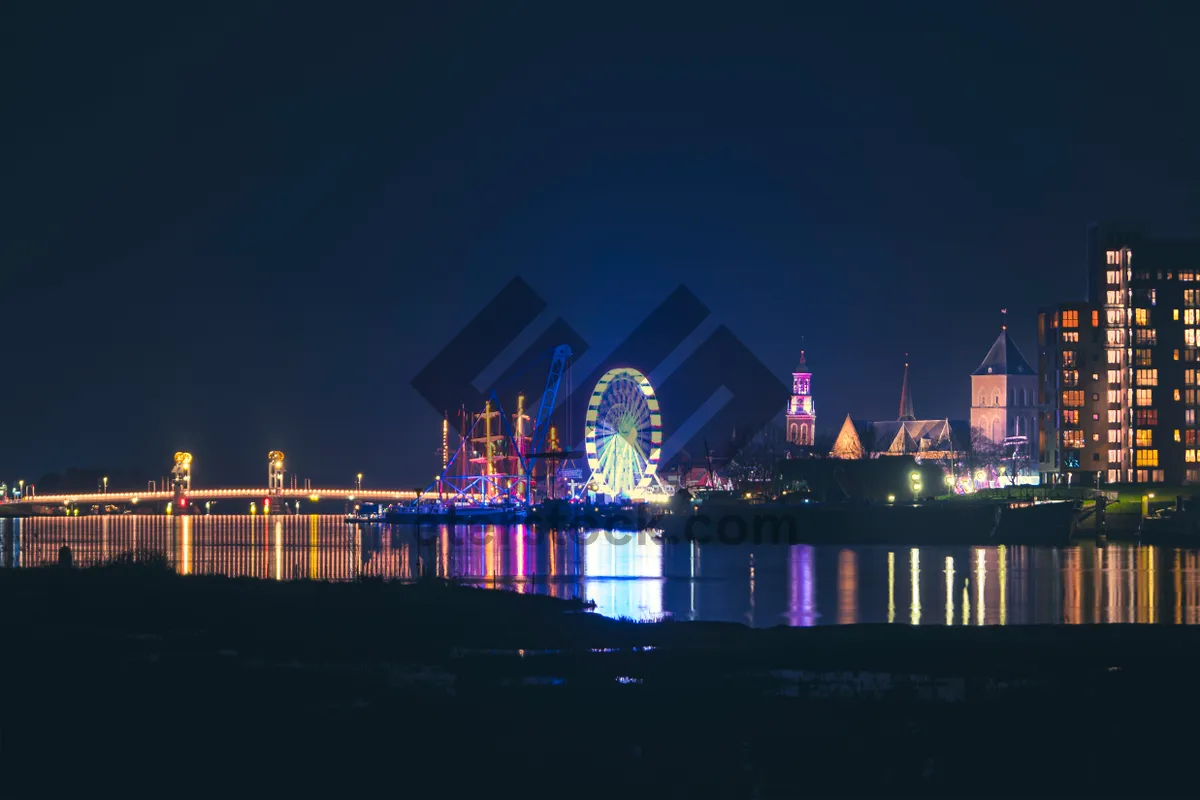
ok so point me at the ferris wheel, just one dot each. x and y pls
(623, 433)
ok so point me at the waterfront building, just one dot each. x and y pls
(1129, 415)
(1073, 395)
(927, 439)
(801, 411)
(1004, 400)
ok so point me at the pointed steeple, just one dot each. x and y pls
(803, 365)
(906, 404)
(847, 445)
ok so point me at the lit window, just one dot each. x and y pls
(1072, 398)
(1191, 316)
(1113, 297)
(1070, 417)
(1070, 377)
(1114, 436)
(1095, 319)
(1114, 456)
(1114, 396)
(1069, 358)
(1114, 376)
(1114, 256)
(1146, 416)
(1143, 357)
(1141, 316)
(1070, 319)
(1176, 354)
(1147, 458)
(1187, 275)
(1071, 336)
(1146, 336)
(1177, 437)
(1177, 395)
(1114, 356)
(1073, 439)
(1145, 437)
(1114, 277)
(1114, 416)
(1147, 377)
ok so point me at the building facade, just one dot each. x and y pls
(1004, 396)
(1072, 395)
(1123, 366)
(801, 414)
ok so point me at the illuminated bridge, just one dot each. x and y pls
(200, 495)
(182, 494)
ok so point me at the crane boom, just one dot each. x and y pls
(541, 425)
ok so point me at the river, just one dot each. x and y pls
(634, 576)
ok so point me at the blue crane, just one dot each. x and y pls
(541, 425)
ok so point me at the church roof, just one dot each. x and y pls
(803, 365)
(910, 436)
(1004, 359)
(848, 445)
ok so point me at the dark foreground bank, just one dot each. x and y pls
(136, 682)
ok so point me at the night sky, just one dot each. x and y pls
(248, 226)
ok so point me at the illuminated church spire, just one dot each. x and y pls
(906, 403)
(801, 410)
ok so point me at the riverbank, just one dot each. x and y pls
(134, 681)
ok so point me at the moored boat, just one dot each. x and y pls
(452, 514)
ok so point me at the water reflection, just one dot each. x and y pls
(636, 576)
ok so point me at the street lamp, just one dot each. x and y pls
(106, 484)
(358, 485)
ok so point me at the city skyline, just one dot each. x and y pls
(250, 228)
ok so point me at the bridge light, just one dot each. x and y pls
(183, 502)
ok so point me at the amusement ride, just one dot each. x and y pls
(502, 461)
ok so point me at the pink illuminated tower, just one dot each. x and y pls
(801, 413)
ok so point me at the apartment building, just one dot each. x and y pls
(1118, 374)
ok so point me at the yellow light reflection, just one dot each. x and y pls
(949, 590)
(914, 571)
(1152, 582)
(980, 579)
(891, 587)
(186, 522)
(312, 548)
(278, 550)
(847, 587)
(1002, 552)
(1178, 588)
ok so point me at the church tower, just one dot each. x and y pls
(1004, 393)
(801, 413)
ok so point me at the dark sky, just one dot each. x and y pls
(242, 226)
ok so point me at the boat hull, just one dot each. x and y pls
(500, 516)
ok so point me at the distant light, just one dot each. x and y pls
(891, 498)
(949, 480)
(1151, 495)
(916, 476)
